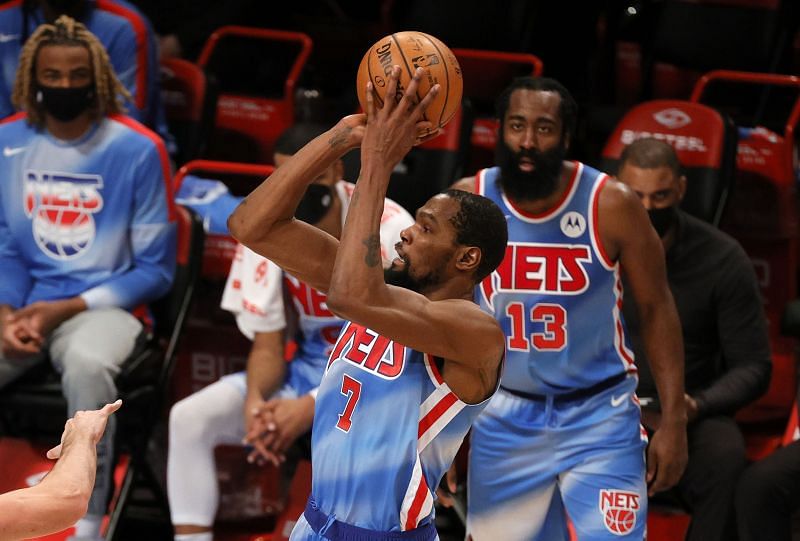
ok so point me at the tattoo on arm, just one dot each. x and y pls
(339, 138)
(373, 244)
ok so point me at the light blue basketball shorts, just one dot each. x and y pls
(534, 462)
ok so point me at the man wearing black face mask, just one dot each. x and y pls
(562, 436)
(87, 231)
(124, 32)
(724, 333)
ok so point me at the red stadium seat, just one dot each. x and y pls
(703, 138)
(486, 74)
(189, 103)
(215, 347)
(763, 216)
(256, 70)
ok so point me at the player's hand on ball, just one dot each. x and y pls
(394, 128)
(349, 131)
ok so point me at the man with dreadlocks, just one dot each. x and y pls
(125, 33)
(86, 229)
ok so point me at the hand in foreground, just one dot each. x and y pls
(85, 424)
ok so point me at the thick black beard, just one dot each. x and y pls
(519, 185)
(402, 278)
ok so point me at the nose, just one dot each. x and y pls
(528, 140)
(405, 235)
(647, 203)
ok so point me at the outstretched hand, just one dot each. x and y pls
(395, 127)
(85, 424)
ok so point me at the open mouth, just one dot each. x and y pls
(526, 164)
(400, 260)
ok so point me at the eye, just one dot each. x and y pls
(545, 129)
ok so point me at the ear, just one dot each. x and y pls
(468, 258)
(681, 187)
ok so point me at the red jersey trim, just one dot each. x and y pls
(416, 505)
(436, 412)
(479, 182)
(140, 29)
(14, 117)
(12, 4)
(598, 241)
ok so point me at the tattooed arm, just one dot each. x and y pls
(264, 221)
(453, 328)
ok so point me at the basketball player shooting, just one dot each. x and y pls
(414, 365)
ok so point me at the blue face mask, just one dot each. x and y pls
(65, 104)
(662, 219)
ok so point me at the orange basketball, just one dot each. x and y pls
(411, 50)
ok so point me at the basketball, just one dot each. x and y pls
(411, 50)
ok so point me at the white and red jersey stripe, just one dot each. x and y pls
(386, 429)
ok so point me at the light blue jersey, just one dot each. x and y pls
(556, 294)
(89, 217)
(562, 438)
(386, 429)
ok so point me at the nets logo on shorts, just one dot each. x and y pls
(60, 206)
(619, 509)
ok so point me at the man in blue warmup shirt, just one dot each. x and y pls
(86, 228)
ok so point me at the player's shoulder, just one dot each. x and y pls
(615, 195)
(15, 126)
(10, 14)
(120, 13)
(131, 131)
(467, 184)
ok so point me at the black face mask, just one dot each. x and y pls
(73, 8)
(65, 104)
(662, 219)
(315, 204)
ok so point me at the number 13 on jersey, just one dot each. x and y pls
(544, 327)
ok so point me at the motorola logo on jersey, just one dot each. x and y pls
(369, 351)
(555, 269)
(573, 224)
(61, 206)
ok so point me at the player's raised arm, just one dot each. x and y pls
(265, 223)
(433, 312)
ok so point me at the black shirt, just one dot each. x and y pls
(728, 362)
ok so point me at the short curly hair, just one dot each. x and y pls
(480, 222)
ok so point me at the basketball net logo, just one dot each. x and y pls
(619, 509)
(60, 206)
